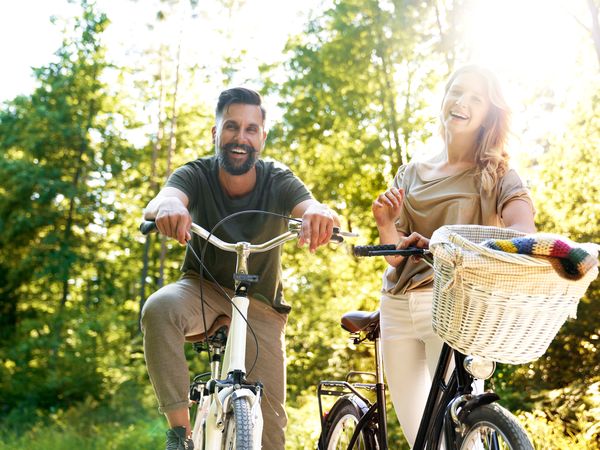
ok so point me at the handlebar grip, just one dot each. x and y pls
(365, 250)
(148, 226)
(387, 250)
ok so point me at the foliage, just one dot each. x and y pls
(352, 103)
(89, 426)
(355, 105)
(567, 205)
(560, 393)
(566, 418)
(63, 303)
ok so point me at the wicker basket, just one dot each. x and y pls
(500, 306)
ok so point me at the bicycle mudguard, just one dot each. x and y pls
(359, 403)
(479, 400)
(237, 393)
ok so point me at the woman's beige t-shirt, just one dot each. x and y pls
(453, 200)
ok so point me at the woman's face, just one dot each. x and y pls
(466, 104)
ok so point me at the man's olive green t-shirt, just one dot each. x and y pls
(277, 190)
(451, 200)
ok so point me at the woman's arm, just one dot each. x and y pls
(518, 215)
(386, 210)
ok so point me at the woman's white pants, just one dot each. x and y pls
(411, 351)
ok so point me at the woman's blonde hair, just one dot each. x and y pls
(491, 156)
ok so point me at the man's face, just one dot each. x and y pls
(239, 137)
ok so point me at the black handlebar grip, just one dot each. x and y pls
(148, 226)
(387, 250)
(365, 250)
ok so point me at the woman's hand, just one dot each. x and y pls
(414, 239)
(387, 206)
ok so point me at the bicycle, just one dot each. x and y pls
(226, 408)
(454, 417)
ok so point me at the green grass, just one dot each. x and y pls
(134, 426)
(139, 435)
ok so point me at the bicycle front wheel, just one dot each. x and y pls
(493, 427)
(342, 426)
(239, 429)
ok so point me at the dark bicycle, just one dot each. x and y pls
(454, 417)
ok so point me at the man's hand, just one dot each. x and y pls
(174, 222)
(387, 206)
(317, 224)
(171, 215)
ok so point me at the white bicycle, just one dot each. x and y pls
(226, 409)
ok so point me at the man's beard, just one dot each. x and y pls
(234, 167)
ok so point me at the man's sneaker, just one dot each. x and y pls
(177, 439)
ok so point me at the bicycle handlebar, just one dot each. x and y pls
(149, 226)
(387, 250)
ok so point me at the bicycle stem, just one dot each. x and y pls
(242, 250)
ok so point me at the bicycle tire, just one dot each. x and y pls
(492, 426)
(346, 415)
(239, 429)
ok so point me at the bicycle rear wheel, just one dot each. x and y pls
(342, 425)
(239, 430)
(493, 427)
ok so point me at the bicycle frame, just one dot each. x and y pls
(227, 383)
(372, 411)
(451, 408)
(450, 401)
(233, 371)
(446, 396)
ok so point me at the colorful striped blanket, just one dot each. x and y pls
(569, 260)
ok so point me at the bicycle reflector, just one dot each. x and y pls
(480, 368)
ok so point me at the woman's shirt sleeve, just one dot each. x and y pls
(511, 187)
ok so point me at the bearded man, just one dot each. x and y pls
(205, 191)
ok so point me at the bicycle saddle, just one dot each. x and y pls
(221, 321)
(355, 321)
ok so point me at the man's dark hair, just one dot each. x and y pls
(239, 95)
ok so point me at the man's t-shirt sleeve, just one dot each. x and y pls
(186, 179)
(291, 189)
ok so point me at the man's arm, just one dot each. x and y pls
(169, 211)
(318, 221)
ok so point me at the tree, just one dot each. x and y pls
(559, 386)
(62, 154)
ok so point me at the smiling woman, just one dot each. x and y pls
(544, 57)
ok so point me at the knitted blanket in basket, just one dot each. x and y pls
(569, 261)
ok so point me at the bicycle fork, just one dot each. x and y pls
(233, 373)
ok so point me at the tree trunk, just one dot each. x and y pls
(170, 150)
(388, 98)
(154, 185)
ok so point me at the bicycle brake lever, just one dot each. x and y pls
(336, 230)
(338, 235)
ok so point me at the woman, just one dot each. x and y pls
(468, 182)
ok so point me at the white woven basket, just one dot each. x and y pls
(500, 306)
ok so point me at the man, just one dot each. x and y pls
(205, 191)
